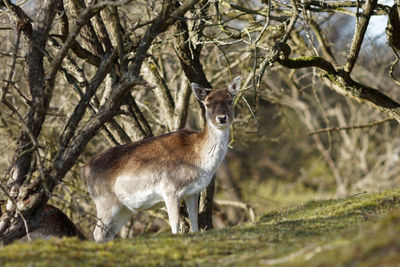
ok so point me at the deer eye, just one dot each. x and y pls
(208, 105)
(229, 102)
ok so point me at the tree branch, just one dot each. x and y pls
(360, 91)
(343, 84)
(361, 28)
(86, 15)
(341, 7)
(80, 109)
(305, 62)
(162, 93)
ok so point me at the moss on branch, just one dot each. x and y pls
(367, 93)
(305, 62)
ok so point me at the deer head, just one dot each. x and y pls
(218, 103)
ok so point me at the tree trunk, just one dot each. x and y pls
(18, 186)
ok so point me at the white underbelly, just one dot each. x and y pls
(136, 194)
(145, 199)
(197, 186)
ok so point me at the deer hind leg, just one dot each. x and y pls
(110, 220)
(172, 204)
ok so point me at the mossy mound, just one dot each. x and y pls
(361, 229)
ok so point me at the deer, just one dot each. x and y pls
(51, 223)
(167, 168)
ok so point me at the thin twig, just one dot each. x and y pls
(346, 128)
(13, 64)
(391, 70)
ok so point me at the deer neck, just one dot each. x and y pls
(213, 147)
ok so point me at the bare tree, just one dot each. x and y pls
(32, 178)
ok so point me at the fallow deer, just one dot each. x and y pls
(167, 168)
(51, 223)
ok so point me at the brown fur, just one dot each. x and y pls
(168, 150)
(172, 149)
(52, 223)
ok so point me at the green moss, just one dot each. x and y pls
(377, 245)
(318, 233)
(307, 61)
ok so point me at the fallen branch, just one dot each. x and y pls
(238, 204)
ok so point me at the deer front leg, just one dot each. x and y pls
(192, 203)
(172, 203)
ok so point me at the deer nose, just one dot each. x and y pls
(222, 119)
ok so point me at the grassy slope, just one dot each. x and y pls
(359, 229)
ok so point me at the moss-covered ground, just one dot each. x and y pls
(359, 230)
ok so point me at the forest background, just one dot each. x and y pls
(317, 116)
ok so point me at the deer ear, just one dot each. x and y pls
(234, 86)
(199, 91)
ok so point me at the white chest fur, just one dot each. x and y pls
(212, 152)
(214, 149)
